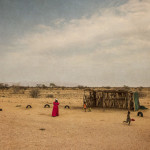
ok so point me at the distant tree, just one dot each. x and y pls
(41, 86)
(52, 85)
(125, 87)
(80, 86)
(140, 88)
(38, 85)
(44, 86)
(63, 87)
(16, 89)
(3, 86)
(107, 87)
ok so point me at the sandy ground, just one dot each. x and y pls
(74, 129)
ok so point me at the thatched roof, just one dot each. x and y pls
(109, 91)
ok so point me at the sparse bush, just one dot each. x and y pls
(52, 85)
(23, 91)
(16, 89)
(41, 86)
(44, 86)
(80, 86)
(125, 87)
(107, 87)
(4, 86)
(62, 87)
(50, 96)
(38, 85)
(142, 95)
(140, 88)
(35, 93)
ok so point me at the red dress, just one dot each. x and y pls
(55, 111)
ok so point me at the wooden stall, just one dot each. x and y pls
(110, 99)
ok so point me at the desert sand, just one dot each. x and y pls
(74, 129)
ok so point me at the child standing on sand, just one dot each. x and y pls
(84, 106)
(128, 118)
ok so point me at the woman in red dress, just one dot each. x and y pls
(55, 111)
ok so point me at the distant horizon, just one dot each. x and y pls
(47, 84)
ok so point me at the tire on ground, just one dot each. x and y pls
(140, 114)
(67, 107)
(28, 106)
(47, 106)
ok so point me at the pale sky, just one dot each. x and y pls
(75, 42)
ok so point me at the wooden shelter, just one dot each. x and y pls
(111, 99)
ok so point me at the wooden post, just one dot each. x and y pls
(128, 99)
(133, 101)
(103, 100)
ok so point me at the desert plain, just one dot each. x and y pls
(73, 129)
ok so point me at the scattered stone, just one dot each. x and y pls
(42, 129)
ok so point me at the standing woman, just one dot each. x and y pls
(55, 111)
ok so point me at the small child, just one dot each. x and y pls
(128, 118)
(84, 106)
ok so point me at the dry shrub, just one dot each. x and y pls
(4, 86)
(142, 95)
(107, 87)
(140, 88)
(125, 87)
(52, 85)
(50, 96)
(80, 87)
(16, 89)
(62, 87)
(23, 92)
(35, 93)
